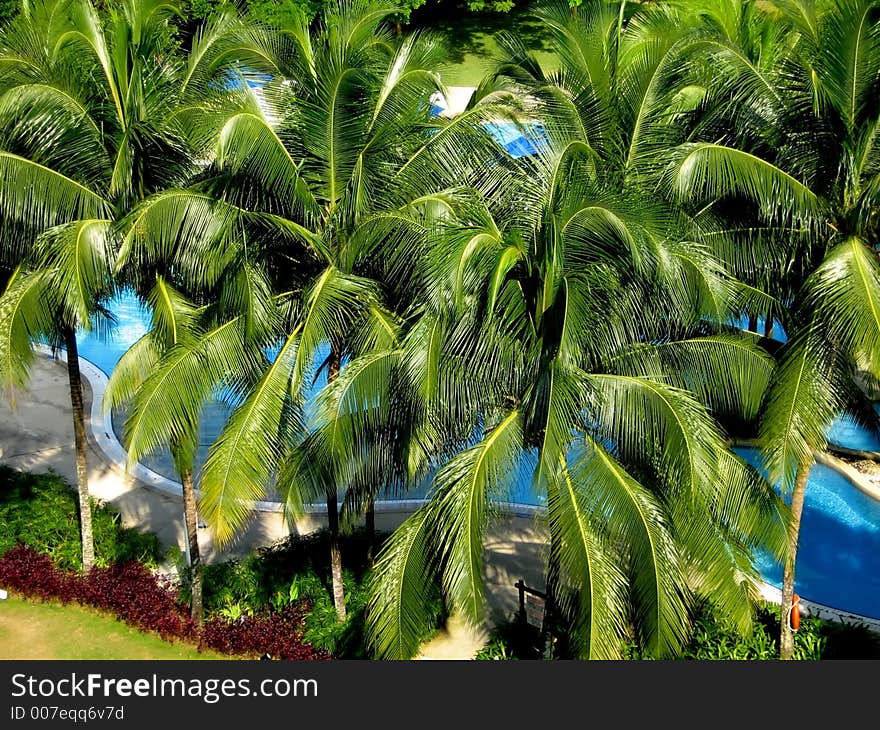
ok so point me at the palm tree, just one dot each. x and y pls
(96, 112)
(572, 323)
(277, 236)
(209, 87)
(804, 175)
(67, 164)
(173, 320)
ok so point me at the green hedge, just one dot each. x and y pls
(297, 568)
(40, 510)
(712, 639)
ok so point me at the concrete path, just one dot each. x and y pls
(36, 434)
(455, 101)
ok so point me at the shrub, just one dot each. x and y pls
(277, 633)
(512, 640)
(291, 570)
(713, 639)
(140, 598)
(137, 596)
(32, 574)
(846, 640)
(41, 511)
(130, 591)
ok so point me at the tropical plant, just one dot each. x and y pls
(205, 85)
(172, 322)
(789, 163)
(276, 235)
(40, 511)
(97, 111)
(573, 336)
(70, 158)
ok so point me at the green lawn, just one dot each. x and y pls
(471, 40)
(52, 631)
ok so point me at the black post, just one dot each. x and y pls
(521, 586)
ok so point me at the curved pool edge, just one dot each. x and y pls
(852, 475)
(773, 594)
(101, 422)
(114, 452)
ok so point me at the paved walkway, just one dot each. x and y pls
(455, 101)
(36, 434)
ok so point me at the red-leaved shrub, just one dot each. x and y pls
(278, 634)
(135, 595)
(132, 593)
(34, 575)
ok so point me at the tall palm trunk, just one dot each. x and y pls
(81, 445)
(333, 518)
(370, 525)
(191, 521)
(786, 636)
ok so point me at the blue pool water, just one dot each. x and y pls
(518, 141)
(132, 323)
(778, 333)
(844, 431)
(254, 79)
(838, 562)
(839, 557)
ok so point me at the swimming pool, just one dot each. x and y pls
(838, 560)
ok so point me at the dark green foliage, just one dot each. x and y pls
(272, 12)
(8, 8)
(713, 639)
(283, 12)
(280, 12)
(849, 641)
(40, 510)
(817, 639)
(295, 569)
(513, 640)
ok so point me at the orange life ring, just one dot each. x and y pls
(795, 616)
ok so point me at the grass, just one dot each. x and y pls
(53, 631)
(471, 38)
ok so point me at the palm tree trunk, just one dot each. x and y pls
(753, 324)
(333, 519)
(81, 446)
(786, 636)
(768, 327)
(335, 554)
(191, 520)
(370, 525)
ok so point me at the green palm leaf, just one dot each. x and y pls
(845, 291)
(398, 616)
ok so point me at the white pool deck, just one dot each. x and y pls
(36, 434)
(455, 100)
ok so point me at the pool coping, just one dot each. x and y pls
(773, 594)
(852, 475)
(101, 421)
